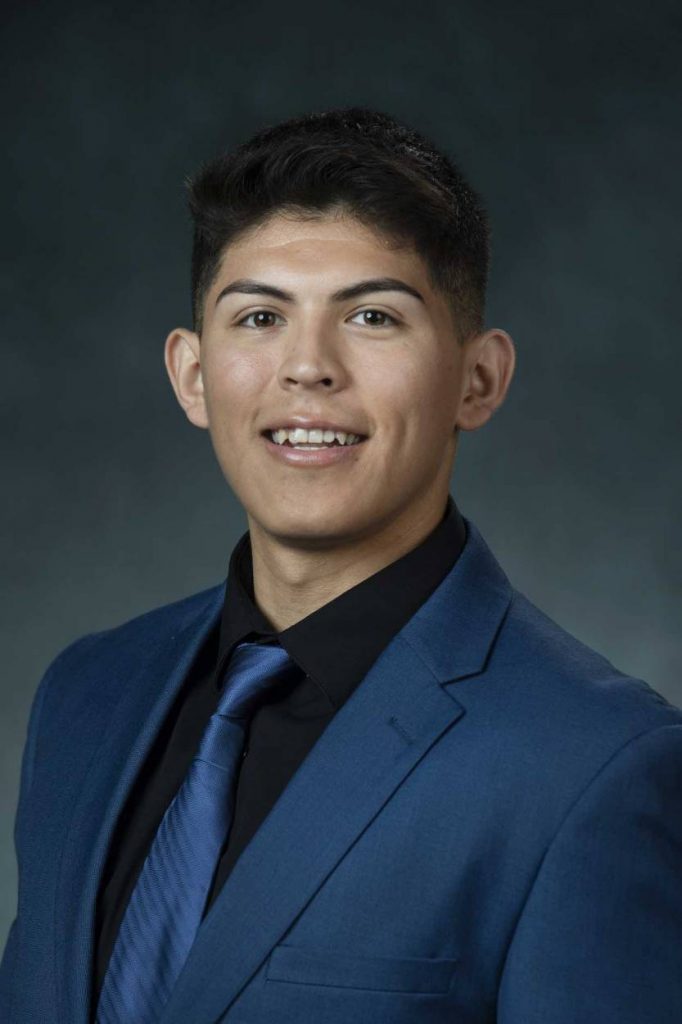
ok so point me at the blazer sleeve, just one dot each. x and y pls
(9, 962)
(599, 939)
(27, 761)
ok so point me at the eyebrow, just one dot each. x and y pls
(247, 286)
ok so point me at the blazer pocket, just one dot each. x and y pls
(381, 973)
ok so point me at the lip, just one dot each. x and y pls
(322, 457)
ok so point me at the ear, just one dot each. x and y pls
(182, 356)
(489, 362)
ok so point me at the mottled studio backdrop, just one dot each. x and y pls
(565, 116)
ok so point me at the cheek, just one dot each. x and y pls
(232, 383)
(419, 398)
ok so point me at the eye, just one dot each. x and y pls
(262, 314)
(375, 312)
(258, 313)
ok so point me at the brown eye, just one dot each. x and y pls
(259, 314)
(383, 317)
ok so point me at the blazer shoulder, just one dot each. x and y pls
(556, 667)
(157, 625)
(554, 710)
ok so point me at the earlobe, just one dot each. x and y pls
(182, 358)
(491, 367)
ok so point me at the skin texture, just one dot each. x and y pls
(405, 382)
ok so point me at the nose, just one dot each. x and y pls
(312, 360)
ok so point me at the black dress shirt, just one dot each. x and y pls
(335, 646)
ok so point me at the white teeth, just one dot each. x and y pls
(316, 436)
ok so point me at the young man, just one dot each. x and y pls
(363, 779)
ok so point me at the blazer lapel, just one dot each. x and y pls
(150, 678)
(388, 724)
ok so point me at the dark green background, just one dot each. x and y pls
(565, 117)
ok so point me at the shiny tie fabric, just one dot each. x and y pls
(167, 903)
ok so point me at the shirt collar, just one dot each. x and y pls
(337, 644)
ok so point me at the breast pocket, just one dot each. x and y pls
(300, 966)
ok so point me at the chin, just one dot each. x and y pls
(312, 528)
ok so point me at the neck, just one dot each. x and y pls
(290, 581)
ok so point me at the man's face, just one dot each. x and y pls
(385, 365)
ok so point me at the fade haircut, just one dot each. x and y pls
(352, 161)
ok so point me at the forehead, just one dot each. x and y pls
(321, 244)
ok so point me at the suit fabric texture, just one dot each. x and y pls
(489, 831)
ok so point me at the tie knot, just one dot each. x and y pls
(252, 670)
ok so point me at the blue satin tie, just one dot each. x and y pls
(168, 901)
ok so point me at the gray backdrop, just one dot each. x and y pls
(566, 117)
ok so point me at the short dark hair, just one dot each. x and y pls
(355, 161)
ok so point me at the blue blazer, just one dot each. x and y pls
(489, 830)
